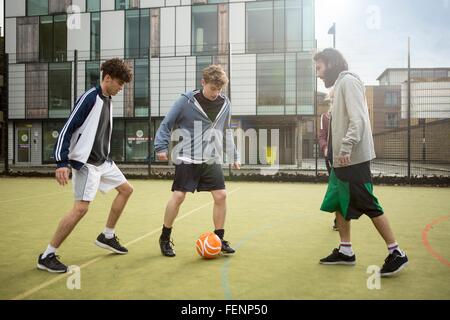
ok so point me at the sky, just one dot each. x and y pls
(373, 34)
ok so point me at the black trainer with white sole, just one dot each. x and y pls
(337, 257)
(393, 264)
(51, 264)
(226, 247)
(166, 247)
(112, 244)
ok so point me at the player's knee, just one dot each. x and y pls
(80, 211)
(127, 190)
(220, 196)
(179, 197)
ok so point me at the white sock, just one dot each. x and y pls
(48, 251)
(346, 248)
(394, 246)
(109, 233)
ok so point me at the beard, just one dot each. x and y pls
(330, 77)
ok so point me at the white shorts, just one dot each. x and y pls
(90, 178)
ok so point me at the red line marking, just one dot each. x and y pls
(427, 244)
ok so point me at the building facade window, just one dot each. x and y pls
(117, 141)
(205, 30)
(37, 7)
(155, 32)
(50, 134)
(136, 145)
(270, 84)
(59, 6)
(293, 23)
(291, 83)
(92, 74)
(392, 99)
(201, 63)
(279, 26)
(27, 39)
(127, 4)
(36, 90)
(95, 36)
(93, 5)
(141, 88)
(305, 84)
(308, 25)
(391, 120)
(59, 89)
(259, 28)
(136, 93)
(53, 38)
(137, 33)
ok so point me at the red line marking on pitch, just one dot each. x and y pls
(427, 244)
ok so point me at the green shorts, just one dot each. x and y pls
(350, 192)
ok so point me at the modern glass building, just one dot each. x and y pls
(56, 47)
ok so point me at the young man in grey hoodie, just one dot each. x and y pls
(350, 150)
(200, 117)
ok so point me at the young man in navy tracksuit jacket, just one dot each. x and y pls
(84, 144)
(200, 117)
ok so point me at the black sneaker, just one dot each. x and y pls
(393, 264)
(226, 247)
(167, 248)
(110, 244)
(51, 263)
(339, 258)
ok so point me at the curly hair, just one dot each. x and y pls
(216, 75)
(117, 69)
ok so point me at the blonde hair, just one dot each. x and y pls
(215, 75)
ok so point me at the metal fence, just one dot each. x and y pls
(274, 91)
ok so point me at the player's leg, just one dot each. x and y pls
(124, 192)
(396, 259)
(219, 213)
(185, 180)
(85, 184)
(113, 178)
(212, 180)
(172, 209)
(344, 254)
(220, 208)
(48, 260)
(337, 191)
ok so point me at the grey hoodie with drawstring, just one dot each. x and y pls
(204, 137)
(350, 124)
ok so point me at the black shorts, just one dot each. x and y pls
(201, 177)
(350, 192)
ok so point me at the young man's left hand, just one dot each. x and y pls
(236, 165)
(344, 160)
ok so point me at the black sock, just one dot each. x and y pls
(220, 233)
(165, 235)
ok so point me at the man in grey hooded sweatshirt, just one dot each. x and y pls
(350, 150)
(200, 117)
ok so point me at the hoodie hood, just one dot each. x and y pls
(345, 73)
(190, 95)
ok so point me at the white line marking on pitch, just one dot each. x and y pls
(36, 196)
(62, 276)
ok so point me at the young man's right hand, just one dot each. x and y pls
(162, 156)
(62, 175)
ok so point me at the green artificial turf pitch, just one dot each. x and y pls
(277, 229)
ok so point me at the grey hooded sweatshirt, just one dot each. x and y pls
(350, 124)
(204, 138)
